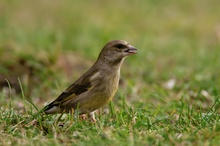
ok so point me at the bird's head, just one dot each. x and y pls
(114, 51)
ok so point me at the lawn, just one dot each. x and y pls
(169, 91)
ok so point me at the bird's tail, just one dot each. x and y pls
(52, 109)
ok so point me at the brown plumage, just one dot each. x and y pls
(98, 85)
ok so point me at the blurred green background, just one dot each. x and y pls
(48, 44)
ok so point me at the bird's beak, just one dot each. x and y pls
(131, 50)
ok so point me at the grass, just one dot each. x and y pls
(169, 91)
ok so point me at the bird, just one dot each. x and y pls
(96, 87)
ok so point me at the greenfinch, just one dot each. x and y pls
(97, 86)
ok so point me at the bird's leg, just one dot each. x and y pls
(92, 116)
(83, 116)
(76, 115)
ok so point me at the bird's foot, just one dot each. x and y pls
(92, 117)
(83, 116)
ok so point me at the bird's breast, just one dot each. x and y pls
(112, 85)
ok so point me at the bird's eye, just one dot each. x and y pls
(120, 46)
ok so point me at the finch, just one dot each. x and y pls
(97, 86)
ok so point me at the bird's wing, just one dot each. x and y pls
(73, 91)
(82, 85)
